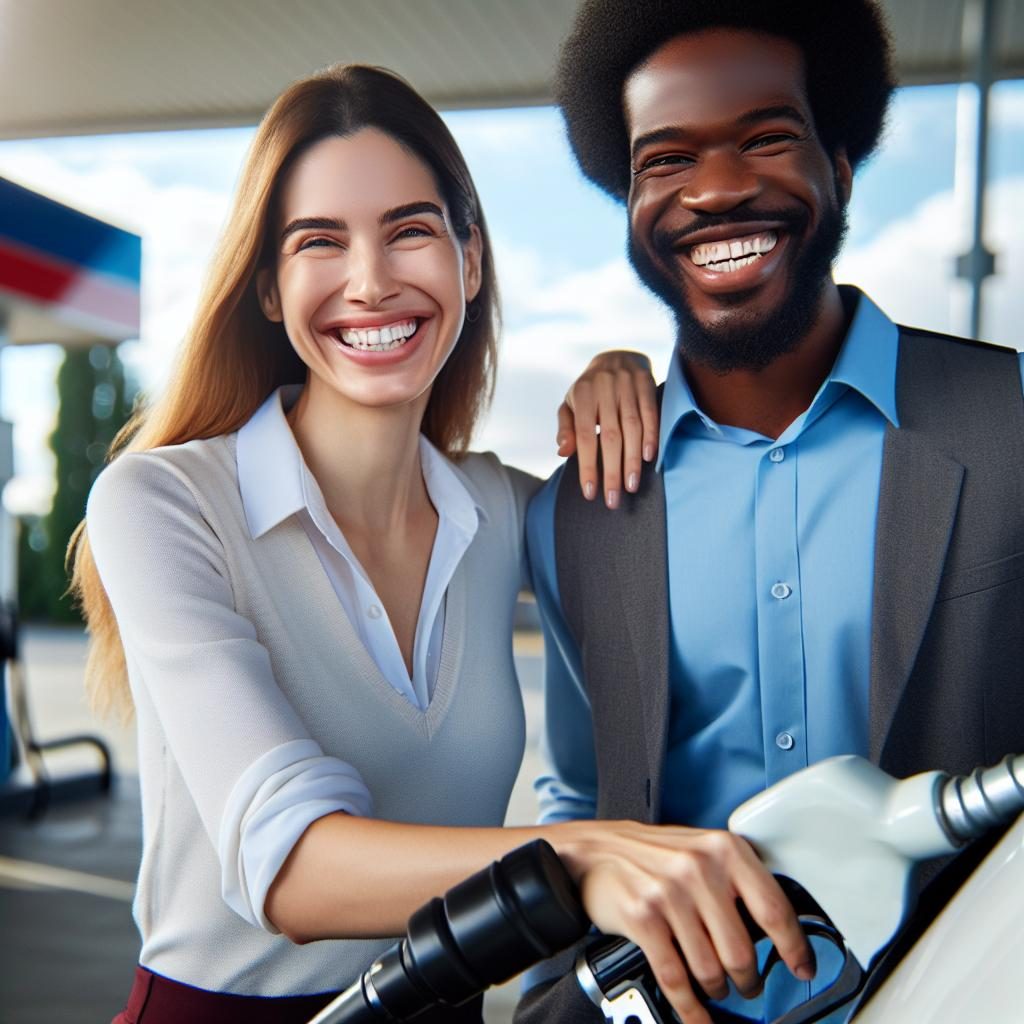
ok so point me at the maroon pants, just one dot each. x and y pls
(157, 1000)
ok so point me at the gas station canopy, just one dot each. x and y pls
(64, 276)
(93, 66)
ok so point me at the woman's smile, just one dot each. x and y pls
(389, 343)
(378, 339)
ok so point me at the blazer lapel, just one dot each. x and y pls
(643, 574)
(917, 505)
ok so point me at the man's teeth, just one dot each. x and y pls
(733, 253)
(379, 339)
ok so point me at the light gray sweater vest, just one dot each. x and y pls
(454, 764)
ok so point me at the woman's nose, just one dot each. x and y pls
(719, 182)
(370, 280)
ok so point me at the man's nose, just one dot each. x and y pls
(370, 278)
(720, 181)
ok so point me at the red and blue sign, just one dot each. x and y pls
(79, 270)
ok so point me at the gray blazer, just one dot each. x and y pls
(947, 643)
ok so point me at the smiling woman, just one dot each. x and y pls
(385, 335)
(308, 584)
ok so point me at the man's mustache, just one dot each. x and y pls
(666, 241)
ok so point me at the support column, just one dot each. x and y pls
(978, 40)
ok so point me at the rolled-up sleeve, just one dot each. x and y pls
(256, 776)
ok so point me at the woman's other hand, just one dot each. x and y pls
(617, 394)
(674, 892)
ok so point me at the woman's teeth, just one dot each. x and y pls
(378, 339)
(733, 253)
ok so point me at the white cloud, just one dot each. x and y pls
(559, 321)
(555, 324)
(1007, 109)
(908, 268)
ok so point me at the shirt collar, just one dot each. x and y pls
(677, 402)
(451, 491)
(866, 363)
(867, 360)
(269, 464)
(275, 482)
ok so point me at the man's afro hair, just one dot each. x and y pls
(846, 52)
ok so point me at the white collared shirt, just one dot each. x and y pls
(275, 483)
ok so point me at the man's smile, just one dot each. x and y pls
(731, 254)
(731, 258)
(723, 255)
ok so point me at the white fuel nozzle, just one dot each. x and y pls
(852, 835)
(970, 805)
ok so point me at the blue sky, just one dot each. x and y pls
(567, 289)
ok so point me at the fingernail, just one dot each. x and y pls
(805, 972)
(612, 499)
(589, 490)
(632, 482)
(648, 452)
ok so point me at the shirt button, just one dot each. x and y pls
(781, 591)
(374, 611)
(784, 741)
(777, 454)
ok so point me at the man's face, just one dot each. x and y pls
(736, 210)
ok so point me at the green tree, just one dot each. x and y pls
(95, 400)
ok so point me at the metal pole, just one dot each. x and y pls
(978, 43)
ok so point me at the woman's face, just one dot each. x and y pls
(370, 282)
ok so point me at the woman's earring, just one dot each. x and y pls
(472, 312)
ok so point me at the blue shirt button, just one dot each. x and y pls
(780, 591)
(777, 454)
(784, 741)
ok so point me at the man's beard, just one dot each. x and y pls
(747, 341)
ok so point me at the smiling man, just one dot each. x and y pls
(829, 558)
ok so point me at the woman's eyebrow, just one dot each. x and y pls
(410, 210)
(315, 224)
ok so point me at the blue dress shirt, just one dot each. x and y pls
(770, 549)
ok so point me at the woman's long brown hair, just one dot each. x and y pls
(233, 357)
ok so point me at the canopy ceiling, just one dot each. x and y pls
(94, 66)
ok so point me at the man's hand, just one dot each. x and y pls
(617, 394)
(674, 892)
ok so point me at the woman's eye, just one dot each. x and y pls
(318, 242)
(413, 231)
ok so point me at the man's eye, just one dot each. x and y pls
(779, 138)
(665, 160)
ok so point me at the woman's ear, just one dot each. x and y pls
(270, 300)
(472, 263)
